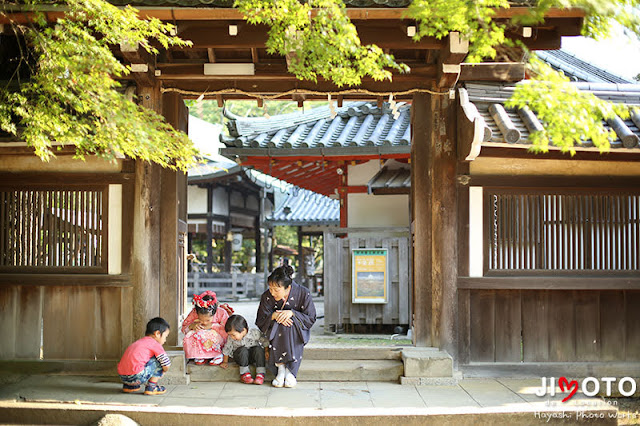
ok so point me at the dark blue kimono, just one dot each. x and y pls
(286, 344)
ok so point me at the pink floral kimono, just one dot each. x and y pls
(205, 344)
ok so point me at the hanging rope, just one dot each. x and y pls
(233, 91)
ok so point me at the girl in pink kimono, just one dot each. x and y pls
(204, 334)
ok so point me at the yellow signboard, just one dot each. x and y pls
(370, 269)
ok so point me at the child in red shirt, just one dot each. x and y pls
(145, 360)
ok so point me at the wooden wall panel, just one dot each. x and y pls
(54, 321)
(108, 323)
(338, 287)
(587, 311)
(8, 321)
(403, 281)
(80, 335)
(29, 322)
(508, 326)
(562, 343)
(632, 299)
(612, 325)
(535, 326)
(482, 324)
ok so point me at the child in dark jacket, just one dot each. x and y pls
(246, 347)
(145, 360)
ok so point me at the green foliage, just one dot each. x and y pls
(570, 116)
(70, 97)
(209, 110)
(324, 43)
(472, 19)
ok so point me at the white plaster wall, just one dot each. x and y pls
(361, 174)
(220, 201)
(115, 229)
(377, 211)
(475, 232)
(196, 199)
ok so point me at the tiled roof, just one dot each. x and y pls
(304, 207)
(357, 124)
(487, 99)
(578, 70)
(211, 170)
(391, 178)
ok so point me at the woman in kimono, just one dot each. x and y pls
(285, 315)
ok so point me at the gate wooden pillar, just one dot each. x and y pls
(173, 209)
(145, 265)
(160, 202)
(434, 210)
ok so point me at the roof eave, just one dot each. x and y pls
(349, 151)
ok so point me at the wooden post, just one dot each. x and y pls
(256, 225)
(145, 264)
(300, 276)
(209, 229)
(433, 160)
(234, 285)
(172, 209)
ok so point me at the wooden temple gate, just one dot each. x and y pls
(154, 200)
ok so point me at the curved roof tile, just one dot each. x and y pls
(355, 124)
(305, 207)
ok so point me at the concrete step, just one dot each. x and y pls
(313, 370)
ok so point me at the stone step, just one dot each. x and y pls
(363, 352)
(313, 370)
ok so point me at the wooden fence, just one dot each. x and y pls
(228, 286)
(339, 308)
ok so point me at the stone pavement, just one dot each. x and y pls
(62, 399)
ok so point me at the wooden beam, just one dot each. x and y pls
(271, 70)
(493, 71)
(52, 279)
(211, 55)
(454, 50)
(550, 283)
(225, 14)
(255, 36)
(63, 179)
(141, 63)
(266, 86)
(550, 181)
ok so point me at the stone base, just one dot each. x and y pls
(427, 362)
(177, 374)
(432, 381)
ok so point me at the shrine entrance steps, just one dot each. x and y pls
(406, 365)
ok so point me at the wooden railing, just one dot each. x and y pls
(228, 286)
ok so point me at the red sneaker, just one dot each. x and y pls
(259, 379)
(246, 378)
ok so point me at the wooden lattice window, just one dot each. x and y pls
(53, 230)
(562, 231)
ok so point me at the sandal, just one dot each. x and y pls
(154, 389)
(259, 379)
(216, 361)
(246, 378)
(131, 388)
(199, 361)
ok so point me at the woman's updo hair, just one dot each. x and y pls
(281, 276)
(210, 309)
